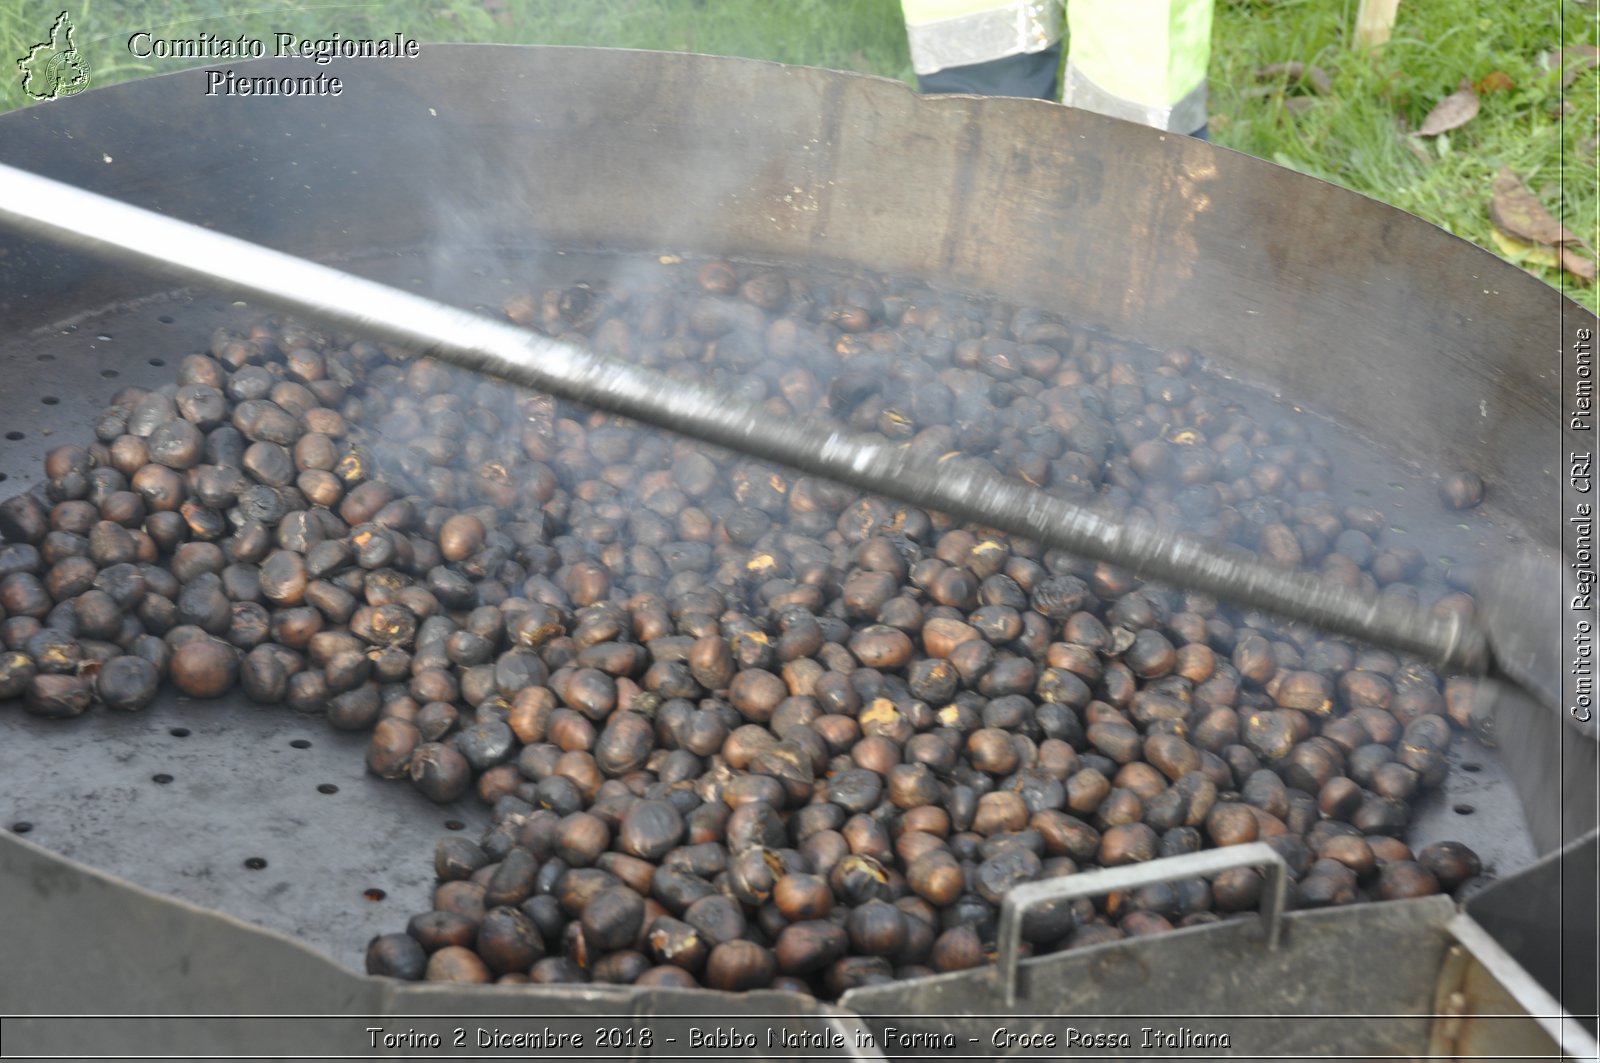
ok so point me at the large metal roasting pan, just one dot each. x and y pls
(1429, 348)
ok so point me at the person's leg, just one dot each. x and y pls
(985, 47)
(1032, 75)
(1141, 60)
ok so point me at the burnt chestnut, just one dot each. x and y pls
(440, 772)
(457, 859)
(582, 837)
(397, 956)
(439, 929)
(128, 683)
(1400, 879)
(739, 966)
(1129, 843)
(669, 977)
(58, 696)
(650, 829)
(752, 874)
(718, 919)
(1461, 490)
(16, 671)
(613, 918)
(204, 668)
(1451, 864)
(801, 897)
(625, 744)
(676, 943)
(877, 928)
(461, 536)
(454, 963)
(957, 949)
(620, 968)
(508, 941)
(394, 741)
(807, 946)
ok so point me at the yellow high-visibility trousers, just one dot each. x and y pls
(1141, 60)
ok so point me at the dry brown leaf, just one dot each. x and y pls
(1578, 265)
(1576, 60)
(1452, 112)
(1527, 234)
(1494, 81)
(1522, 252)
(1573, 60)
(1297, 73)
(1516, 210)
(1273, 71)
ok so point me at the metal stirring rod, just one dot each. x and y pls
(106, 228)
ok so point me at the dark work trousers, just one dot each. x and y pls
(1030, 76)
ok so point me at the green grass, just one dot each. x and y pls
(1352, 136)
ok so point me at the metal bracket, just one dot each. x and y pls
(1477, 945)
(1020, 900)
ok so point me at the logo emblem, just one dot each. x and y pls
(54, 68)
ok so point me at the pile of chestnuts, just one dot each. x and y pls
(741, 728)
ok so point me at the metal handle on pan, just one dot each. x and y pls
(1109, 880)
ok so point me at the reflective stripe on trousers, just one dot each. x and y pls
(1185, 116)
(947, 33)
(1141, 60)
